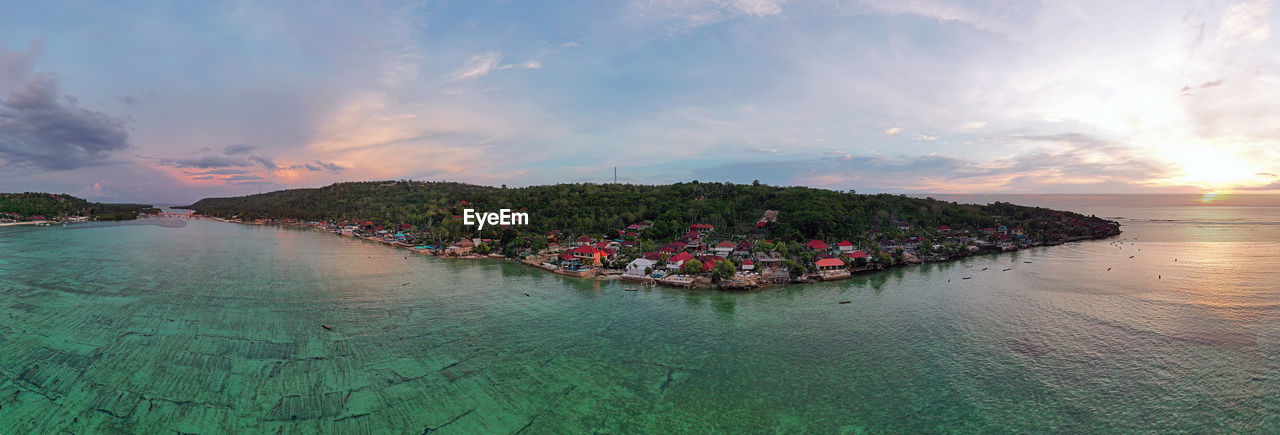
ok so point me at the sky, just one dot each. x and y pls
(169, 102)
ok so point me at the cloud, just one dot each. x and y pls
(973, 125)
(232, 150)
(16, 66)
(219, 172)
(1186, 90)
(208, 162)
(926, 137)
(266, 162)
(1245, 23)
(1068, 162)
(477, 66)
(688, 14)
(127, 100)
(233, 156)
(319, 166)
(892, 131)
(44, 130)
(532, 64)
(93, 191)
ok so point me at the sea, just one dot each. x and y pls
(197, 326)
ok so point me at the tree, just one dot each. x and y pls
(795, 268)
(691, 267)
(724, 269)
(860, 262)
(483, 249)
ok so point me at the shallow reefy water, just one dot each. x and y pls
(216, 327)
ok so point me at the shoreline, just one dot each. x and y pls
(686, 282)
(11, 224)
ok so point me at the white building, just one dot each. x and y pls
(636, 267)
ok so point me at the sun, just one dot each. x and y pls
(1213, 168)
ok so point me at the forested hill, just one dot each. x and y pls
(603, 208)
(41, 206)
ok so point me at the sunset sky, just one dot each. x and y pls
(169, 102)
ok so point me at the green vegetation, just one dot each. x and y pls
(890, 229)
(48, 206)
(601, 209)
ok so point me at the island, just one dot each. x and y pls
(33, 208)
(716, 235)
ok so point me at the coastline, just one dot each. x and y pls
(683, 281)
(11, 224)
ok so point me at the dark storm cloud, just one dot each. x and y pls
(44, 130)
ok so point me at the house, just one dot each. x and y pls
(701, 228)
(845, 246)
(857, 254)
(748, 264)
(775, 275)
(678, 260)
(769, 260)
(671, 248)
(1017, 232)
(944, 229)
(829, 264)
(709, 259)
(637, 267)
(644, 225)
(904, 227)
(553, 247)
(461, 247)
(634, 227)
(723, 249)
(817, 245)
(587, 254)
(743, 249)
(583, 240)
(694, 245)
(1003, 230)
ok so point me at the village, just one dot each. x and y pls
(707, 258)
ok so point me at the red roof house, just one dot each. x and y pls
(829, 263)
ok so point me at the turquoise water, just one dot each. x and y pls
(216, 327)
